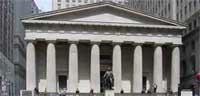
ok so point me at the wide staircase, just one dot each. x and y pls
(102, 94)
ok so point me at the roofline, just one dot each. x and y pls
(100, 4)
(101, 24)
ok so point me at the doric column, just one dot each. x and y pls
(95, 68)
(117, 67)
(137, 69)
(51, 68)
(175, 69)
(30, 67)
(158, 69)
(73, 67)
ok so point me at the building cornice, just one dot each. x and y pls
(101, 24)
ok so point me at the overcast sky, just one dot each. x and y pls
(44, 5)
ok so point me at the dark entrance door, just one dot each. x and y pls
(62, 82)
(106, 62)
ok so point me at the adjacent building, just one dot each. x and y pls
(70, 49)
(190, 51)
(179, 10)
(6, 47)
(12, 45)
(59, 4)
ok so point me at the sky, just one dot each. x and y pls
(44, 5)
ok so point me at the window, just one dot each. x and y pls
(195, 24)
(59, 0)
(192, 60)
(59, 6)
(67, 1)
(190, 6)
(67, 5)
(177, 2)
(184, 68)
(190, 27)
(73, 1)
(73, 5)
(183, 48)
(79, 1)
(181, 15)
(185, 10)
(86, 1)
(193, 45)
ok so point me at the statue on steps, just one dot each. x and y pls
(108, 79)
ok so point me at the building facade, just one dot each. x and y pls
(179, 10)
(70, 50)
(59, 4)
(12, 45)
(21, 8)
(6, 45)
(190, 52)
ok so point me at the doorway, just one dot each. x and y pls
(105, 62)
(62, 80)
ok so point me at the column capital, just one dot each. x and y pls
(31, 41)
(116, 43)
(95, 42)
(137, 44)
(157, 45)
(73, 41)
(174, 45)
(51, 41)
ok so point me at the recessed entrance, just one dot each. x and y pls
(62, 79)
(105, 61)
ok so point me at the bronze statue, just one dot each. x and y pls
(108, 80)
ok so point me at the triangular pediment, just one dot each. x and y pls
(107, 17)
(102, 12)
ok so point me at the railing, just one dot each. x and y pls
(102, 94)
(71, 94)
(145, 94)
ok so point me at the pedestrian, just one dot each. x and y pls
(154, 88)
(36, 91)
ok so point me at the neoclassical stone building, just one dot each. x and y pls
(71, 49)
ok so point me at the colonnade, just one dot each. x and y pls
(95, 68)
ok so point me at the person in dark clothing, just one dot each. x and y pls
(154, 88)
(36, 91)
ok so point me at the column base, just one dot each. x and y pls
(109, 93)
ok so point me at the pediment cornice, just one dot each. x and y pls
(101, 24)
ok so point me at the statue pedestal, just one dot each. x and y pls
(109, 93)
(26, 93)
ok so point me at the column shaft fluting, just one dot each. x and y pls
(73, 68)
(117, 67)
(137, 70)
(51, 68)
(30, 67)
(175, 69)
(158, 69)
(95, 68)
